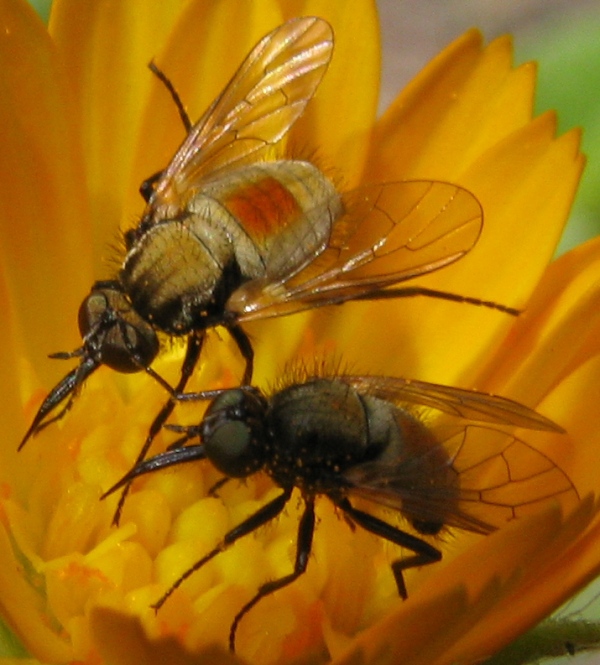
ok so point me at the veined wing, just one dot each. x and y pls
(266, 95)
(389, 233)
(471, 405)
(492, 477)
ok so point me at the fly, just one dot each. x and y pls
(346, 437)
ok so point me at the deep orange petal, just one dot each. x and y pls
(559, 330)
(565, 564)
(106, 47)
(524, 179)
(462, 103)
(45, 223)
(551, 360)
(464, 611)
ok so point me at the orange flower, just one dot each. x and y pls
(84, 123)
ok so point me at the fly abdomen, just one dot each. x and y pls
(283, 214)
(412, 469)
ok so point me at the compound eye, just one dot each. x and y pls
(233, 433)
(229, 448)
(115, 334)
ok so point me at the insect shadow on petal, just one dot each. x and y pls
(231, 235)
(365, 437)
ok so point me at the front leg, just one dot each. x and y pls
(262, 516)
(194, 347)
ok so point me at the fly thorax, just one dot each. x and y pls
(317, 430)
(183, 270)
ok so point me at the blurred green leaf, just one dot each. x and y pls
(10, 646)
(42, 7)
(568, 53)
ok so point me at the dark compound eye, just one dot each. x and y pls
(114, 333)
(229, 448)
(233, 433)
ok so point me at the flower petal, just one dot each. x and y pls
(551, 360)
(462, 103)
(544, 581)
(21, 609)
(106, 47)
(455, 616)
(336, 127)
(524, 179)
(45, 222)
(557, 333)
(121, 640)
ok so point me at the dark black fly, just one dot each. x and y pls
(350, 436)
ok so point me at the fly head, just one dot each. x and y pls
(113, 333)
(234, 434)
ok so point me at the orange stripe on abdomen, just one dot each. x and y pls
(263, 207)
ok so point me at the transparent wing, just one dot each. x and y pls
(389, 233)
(471, 405)
(262, 101)
(491, 478)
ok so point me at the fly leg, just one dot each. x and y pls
(243, 342)
(214, 489)
(306, 529)
(166, 81)
(411, 292)
(158, 462)
(194, 346)
(263, 515)
(148, 186)
(424, 553)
